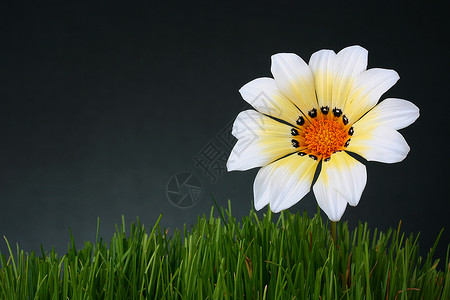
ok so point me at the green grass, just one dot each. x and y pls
(221, 258)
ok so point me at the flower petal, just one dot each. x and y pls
(347, 176)
(393, 113)
(348, 63)
(329, 200)
(321, 64)
(341, 181)
(284, 182)
(263, 94)
(367, 90)
(261, 140)
(295, 80)
(380, 143)
(251, 122)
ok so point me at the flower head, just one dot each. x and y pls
(316, 113)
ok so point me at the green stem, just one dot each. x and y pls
(333, 231)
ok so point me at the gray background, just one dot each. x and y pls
(102, 105)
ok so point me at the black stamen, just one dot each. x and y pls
(337, 112)
(294, 132)
(350, 131)
(313, 113)
(302, 153)
(313, 156)
(347, 143)
(295, 143)
(345, 120)
(300, 121)
(325, 110)
(327, 159)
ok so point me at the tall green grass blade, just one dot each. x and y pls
(274, 257)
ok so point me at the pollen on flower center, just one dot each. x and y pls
(324, 137)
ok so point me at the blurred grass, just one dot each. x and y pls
(221, 258)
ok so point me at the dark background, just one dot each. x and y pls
(102, 105)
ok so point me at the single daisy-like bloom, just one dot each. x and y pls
(316, 113)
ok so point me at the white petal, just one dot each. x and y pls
(348, 64)
(351, 61)
(321, 64)
(284, 182)
(329, 200)
(341, 181)
(261, 140)
(367, 90)
(380, 143)
(295, 80)
(347, 176)
(393, 113)
(263, 94)
(252, 123)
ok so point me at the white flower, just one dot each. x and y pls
(316, 113)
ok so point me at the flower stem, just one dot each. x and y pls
(333, 231)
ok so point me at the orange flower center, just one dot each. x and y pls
(324, 137)
(323, 133)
